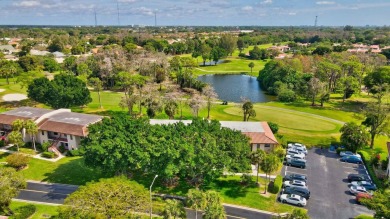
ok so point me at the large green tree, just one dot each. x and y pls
(11, 182)
(353, 136)
(269, 164)
(109, 198)
(377, 119)
(228, 43)
(380, 203)
(8, 69)
(198, 152)
(63, 92)
(248, 110)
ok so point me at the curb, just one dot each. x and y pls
(48, 183)
(34, 202)
(255, 210)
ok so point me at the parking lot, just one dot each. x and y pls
(327, 181)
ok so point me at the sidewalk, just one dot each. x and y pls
(37, 156)
(253, 173)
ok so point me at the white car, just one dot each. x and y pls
(294, 183)
(289, 157)
(300, 149)
(349, 153)
(299, 145)
(293, 199)
(357, 189)
(296, 153)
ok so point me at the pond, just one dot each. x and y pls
(232, 88)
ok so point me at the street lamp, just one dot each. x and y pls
(150, 191)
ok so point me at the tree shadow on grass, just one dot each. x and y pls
(231, 187)
(76, 173)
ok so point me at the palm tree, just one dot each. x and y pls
(197, 200)
(251, 65)
(32, 130)
(15, 138)
(214, 208)
(256, 158)
(269, 164)
(18, 125)
(174, 209)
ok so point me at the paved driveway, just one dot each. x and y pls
(327, 181)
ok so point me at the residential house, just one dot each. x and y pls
(7, 49)
(60, 127)
(259, 133)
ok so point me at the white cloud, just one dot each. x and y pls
(266, 2)
(27, 4)
(325, 3)
(292, 13)
(247, 8)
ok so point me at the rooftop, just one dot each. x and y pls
(75, 118)
(27, 112)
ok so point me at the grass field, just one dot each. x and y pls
(42, 211)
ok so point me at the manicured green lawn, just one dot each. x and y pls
(363, 216)
(42, 211)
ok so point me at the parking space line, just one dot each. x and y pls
(296, 173)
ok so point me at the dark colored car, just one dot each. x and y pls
(295, 177)
(296, 163)
(351, 159)
(356, 177)
(303, 192)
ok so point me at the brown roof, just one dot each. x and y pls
(8, 119)
(266, 137)
(65, 128)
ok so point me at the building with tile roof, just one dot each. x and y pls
(60, 127)
(259, 133)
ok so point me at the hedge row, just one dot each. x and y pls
(276, 185)
(367, 161)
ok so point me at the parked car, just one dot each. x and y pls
(349, 153)
(294, 183)
(356, 189)
(351, 159)
(293, 199)
(295, 176)
(361, 195)
(295, 152)
(303, 192)
(289, 157)
(296, 163)
(365, 184)
(299, 149)
(357, 177)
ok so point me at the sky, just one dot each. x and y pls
(196, 12)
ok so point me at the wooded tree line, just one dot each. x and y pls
(196, 153)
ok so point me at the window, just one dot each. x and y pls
(64, 135)
(55, 133)
(71, 137)
(267, 145)
(43, 132)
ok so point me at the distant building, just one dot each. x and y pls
(7, 49)
(60, 127)
(35, 52)
(259, 133)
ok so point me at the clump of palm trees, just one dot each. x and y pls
(19, 129)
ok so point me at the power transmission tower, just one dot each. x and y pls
(117, 8)
(95, 18)
(315, 22)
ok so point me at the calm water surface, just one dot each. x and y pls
(233, 87)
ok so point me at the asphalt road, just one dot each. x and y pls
(327, 181)
(56, 194)
(46, 193)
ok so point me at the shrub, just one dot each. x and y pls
(45, 146)
(384, 164)
(246, 179)
(18, 160)
(287, 95)
(61, 149)
(276, 185)
(375, 161)
(48, 154)
(75, 153)
(366, 159)
(2, 143)
(24, 212)
(274, 127)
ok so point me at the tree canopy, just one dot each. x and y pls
(198, 152)
(11, 182)
(63, 92)
(353, 136)
(122, 198)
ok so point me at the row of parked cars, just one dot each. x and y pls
(296, 155)
(360, 186)
(295, 190)
(350, 157)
